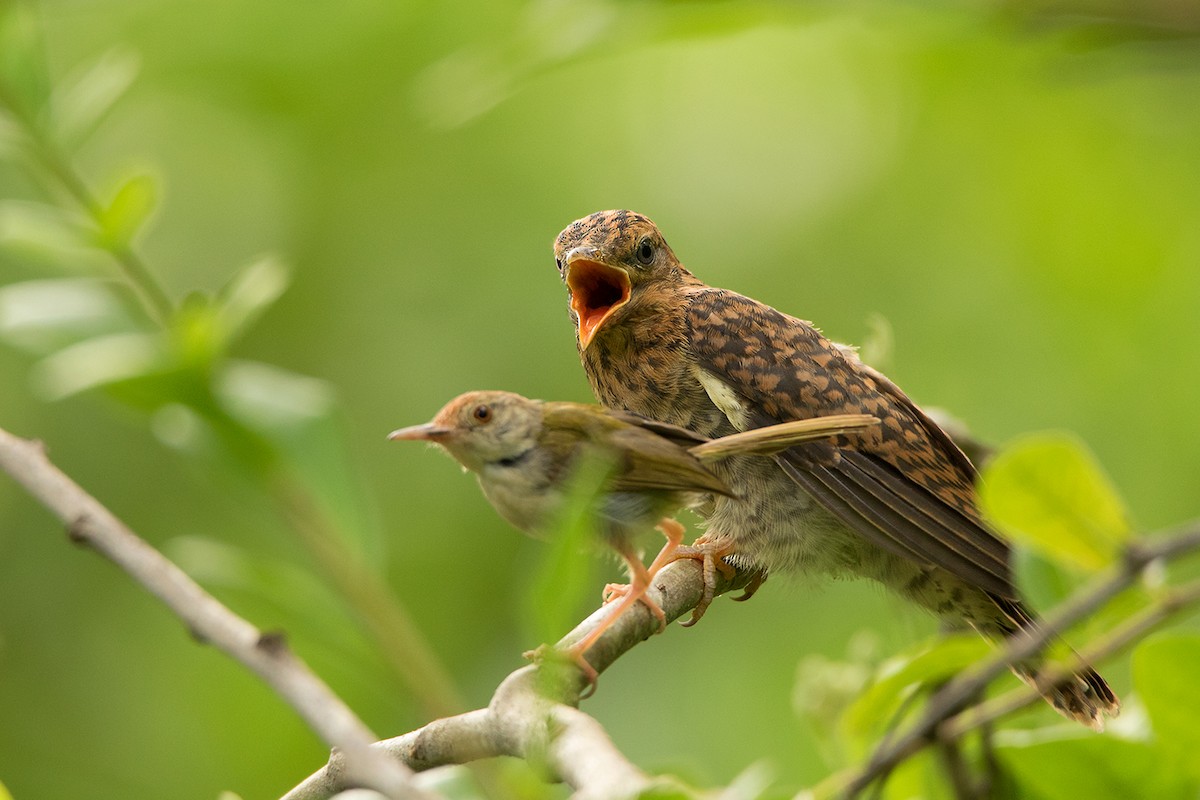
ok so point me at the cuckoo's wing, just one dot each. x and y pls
(902, 484)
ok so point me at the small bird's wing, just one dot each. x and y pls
(646, 460)
(673, 433)
(903, 485)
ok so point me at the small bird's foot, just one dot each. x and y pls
(642, 577)
(589, 672)
(625, 595)
(618, 591)
(614, 591)
(549, 657)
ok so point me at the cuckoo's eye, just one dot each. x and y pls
(482, 413)
(645, 252)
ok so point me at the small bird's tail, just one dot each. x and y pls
(1084, 696)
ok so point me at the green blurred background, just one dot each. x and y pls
(1013, 189)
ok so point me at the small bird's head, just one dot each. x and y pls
(604, 258)
(482, 428)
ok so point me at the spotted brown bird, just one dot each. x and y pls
(895, 503)
(524, 452)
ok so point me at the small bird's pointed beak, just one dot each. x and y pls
(597, 290)
(429, 432)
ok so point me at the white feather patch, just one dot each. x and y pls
(724, 397)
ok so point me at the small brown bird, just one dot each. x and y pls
(895, 503)
(523, 452)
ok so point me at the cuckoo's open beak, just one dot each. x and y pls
(597, 291)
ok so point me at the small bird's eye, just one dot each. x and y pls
(482, 413)
(645, 252)
(558, 261)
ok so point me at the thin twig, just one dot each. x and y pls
(1129, 631)
(532, 713)
(400, 640)
(952, 698)
(265, 654)
(145, 286)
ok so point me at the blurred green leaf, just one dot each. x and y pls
(1042, 581)
(79, 104)
(560, 585)
(128, 211)
(899, 677)
(1048, 492)
(752, 783)
(1166, 679)
(668, 791)
(29, 225)
(196, 336)
(1090, 766)
(99, 361)
(49, 314)
(826, 687)
(12, 137)
(251, 292)
(269, 399)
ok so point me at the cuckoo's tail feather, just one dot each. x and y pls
(1084, 696)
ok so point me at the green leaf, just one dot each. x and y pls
(752, 783)
(43, 228)
(1047, 491)
(12, 137)
(668, 789)
(1165, 678)
(131, 206)
(47, 315)
(899, 677)
(80, 103)
(249, 294)
(1090, 766)
(561, 584)
(270, 399)
(99, 361)
(1042, 582)
(196, 338)
(826, 687)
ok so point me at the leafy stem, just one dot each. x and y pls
(150, 293)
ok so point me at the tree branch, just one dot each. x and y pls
(958, 692)
(266, 654)
(532, 715)
(1128, 632)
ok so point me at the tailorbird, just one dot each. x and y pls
(524, 451)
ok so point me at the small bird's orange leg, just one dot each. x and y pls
(674, 531)
(640, 579)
